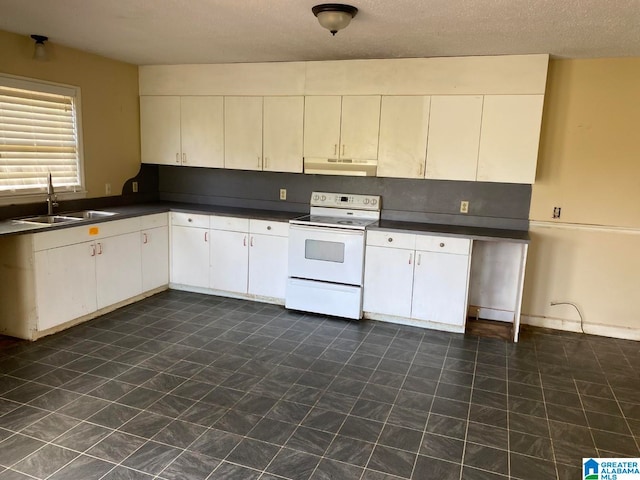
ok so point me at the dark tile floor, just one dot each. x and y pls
(186, 386)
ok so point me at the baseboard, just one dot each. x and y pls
(567, 325)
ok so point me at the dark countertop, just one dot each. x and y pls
(15, 227)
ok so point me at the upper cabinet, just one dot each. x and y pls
(283, 133)
(182, 130)
(510, 137)
(243, 133)
(454, 137)
(344, 127)
(404, 123)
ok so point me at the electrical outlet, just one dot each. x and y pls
(283, 194)
(556, 212)
(134, 187)
(464, 206)
(107, 189)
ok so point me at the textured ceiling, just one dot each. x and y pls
(221, 31)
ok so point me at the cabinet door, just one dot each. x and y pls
(388, 280)
(155, 258)
(322, 126)
(454, 137)
(360, 127)
(509, 138)
(118, 268)
(65, 284)
(282, 138)
(404, 123)
(160, 130)
(440, 288)
(268, 265)
(190, 256)
(243, 133)
(229, 261)
(202, 128)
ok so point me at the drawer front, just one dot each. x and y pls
(405, 241)
(430, 243)
(233, 224)
(84, 233)
(153, 221)
(279, 229)
(189, 220)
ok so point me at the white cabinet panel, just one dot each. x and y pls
(454, 137)
(440, 288)
(268, 257)
(322, 126)
(360, 126)
(283, 134)
(155, 257)
(160, 130)
(202, 128)
(229, 261)
(190, 256)
(509, 138)
(388, 281)
(404, 123)
(243, 133)
(65, 284)
(118, 269)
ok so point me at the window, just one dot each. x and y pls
(39, 134)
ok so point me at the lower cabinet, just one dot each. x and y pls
(417, 277)
(190, 250)
(154, 239)
(268, 258)
(229, 254)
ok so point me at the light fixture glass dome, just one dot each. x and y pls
(334, 16)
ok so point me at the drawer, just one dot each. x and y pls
(190, 220)
(153, 221)
(233, 224)
(279, 229)
(431, 243)
(84, 233)
(405, 241)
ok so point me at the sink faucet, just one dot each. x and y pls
(51, 197)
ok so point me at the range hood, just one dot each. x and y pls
(341, 166)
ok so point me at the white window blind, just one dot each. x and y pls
(38, 136)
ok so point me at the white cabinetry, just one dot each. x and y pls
(243, 133)
(342, 127)
(154, 238)
(419, 278)
(454, 137)
(510, 137)
(229, 254)
(268, 258)
(404, 123)
(189, 250)
(118, 268)
(283, 133)
(182, 130)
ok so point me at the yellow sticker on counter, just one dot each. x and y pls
(94, 230)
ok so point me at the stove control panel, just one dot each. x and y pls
(346, 200)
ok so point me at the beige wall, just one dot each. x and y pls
(110, 118)
(589, 164)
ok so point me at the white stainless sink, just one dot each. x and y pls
(50, 219)
(89, 214)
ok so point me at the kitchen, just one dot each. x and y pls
(561, 259)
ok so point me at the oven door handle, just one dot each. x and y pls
(340, 230)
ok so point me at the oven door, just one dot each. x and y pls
(326, 254)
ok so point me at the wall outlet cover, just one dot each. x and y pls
(283, 194)
(464, 206)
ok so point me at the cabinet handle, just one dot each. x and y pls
(178, 158)
(189, 220)
(244, 241)
(441, 244)
(419, 258)
(145, 240)
(251, 242)
(390, 239)
(335, 149)
(99, 249)
(93, 250)
(410, 258)
(269, 227)
(184, 158)
(206, 236)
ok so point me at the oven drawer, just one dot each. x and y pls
(406, 241)
(265, 227)
(429, 243)
(326, 298)
(189, 220)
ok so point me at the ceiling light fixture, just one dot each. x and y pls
(39, 51)
(334, 16)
